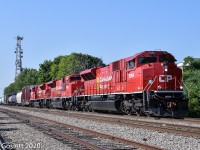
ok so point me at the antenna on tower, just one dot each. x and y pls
(19, 56)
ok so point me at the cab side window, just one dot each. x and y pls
(131, 64)
(67, 81)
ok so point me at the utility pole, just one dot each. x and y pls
(19, 57)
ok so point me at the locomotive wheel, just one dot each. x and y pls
(31, 105)
(68, 105)
(41, 105)
(128, 111)
(148, 115)
(138, 112)
(90, 109)
(74, 108)
(48, 104)
(83, 109)
(125, 109)
(86, 108)
(65, 105)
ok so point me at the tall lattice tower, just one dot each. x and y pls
(19, 57)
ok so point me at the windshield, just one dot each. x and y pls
(145, 60)
(164, 59)
(75, 78)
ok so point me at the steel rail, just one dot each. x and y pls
(183, 130)
(68, 137)
(187, 131)
(184, 120)
(195, 120)
(2, 147)
(102, 135)
(53, 131)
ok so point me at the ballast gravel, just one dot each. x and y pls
(148, 119)
(162, 140)
(19, 136)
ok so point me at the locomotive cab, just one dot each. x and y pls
(162, 92)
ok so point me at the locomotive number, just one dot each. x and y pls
(165, 78)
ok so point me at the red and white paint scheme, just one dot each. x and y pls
(146, 83)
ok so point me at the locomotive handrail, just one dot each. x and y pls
(170, 91)
(77, 91)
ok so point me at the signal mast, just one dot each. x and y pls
(19, 56)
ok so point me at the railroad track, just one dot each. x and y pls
(188, 131)
(194, 120)
(77, 137)
(183, 120)
(2, 143)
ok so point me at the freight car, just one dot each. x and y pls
(148, 83)
(19, 98)
(12, 100)
(26, 95)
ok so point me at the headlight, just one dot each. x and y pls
(181, 87)
(159, 87)
(165, 68)
(150, 81)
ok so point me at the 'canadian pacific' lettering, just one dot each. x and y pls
(165, 78)
(105, 79)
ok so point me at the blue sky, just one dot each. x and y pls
(109, 29)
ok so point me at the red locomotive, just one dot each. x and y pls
(147, 83)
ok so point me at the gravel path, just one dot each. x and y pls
(23, 137)
(163, 140)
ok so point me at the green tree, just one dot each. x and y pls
(55, 67)
(10, 89)
(44, 73)
(77, 62)
(191, 78)
(25, 78)
(50, 70)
